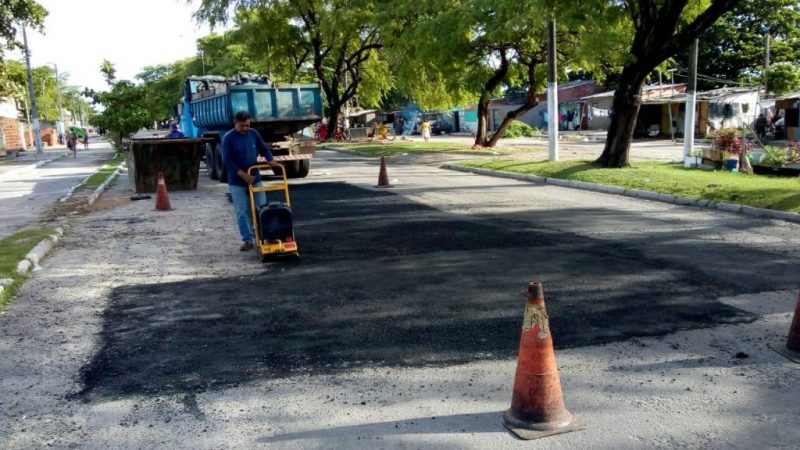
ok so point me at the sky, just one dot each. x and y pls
(132, 34)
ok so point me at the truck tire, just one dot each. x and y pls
(298, 169)
(220, 166)
(211, 165)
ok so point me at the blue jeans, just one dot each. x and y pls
(241, 205)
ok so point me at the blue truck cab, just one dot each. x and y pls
(277, 112)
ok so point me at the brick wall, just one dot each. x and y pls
(11, 132)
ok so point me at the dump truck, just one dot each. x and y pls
(277, 113)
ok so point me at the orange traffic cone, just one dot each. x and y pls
(162, 199)
(792, 348)
(537, 405)
(383, 176)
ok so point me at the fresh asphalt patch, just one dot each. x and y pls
(384, 281)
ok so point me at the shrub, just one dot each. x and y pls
(729, 141)
(774, 156)
(520, 129)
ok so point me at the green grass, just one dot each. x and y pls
(718, 186)
(398, 147)
(12, 250)
(108, 168)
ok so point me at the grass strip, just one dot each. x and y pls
(13, 249)
(97, 178)
(667, 178)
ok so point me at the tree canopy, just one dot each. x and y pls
(733, 49)
(13, 14)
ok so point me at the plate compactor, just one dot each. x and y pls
(272, 223)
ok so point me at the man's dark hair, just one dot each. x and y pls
(242, 116)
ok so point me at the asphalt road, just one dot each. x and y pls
(161, 319)
(25, 194)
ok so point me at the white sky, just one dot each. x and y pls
(132, 34)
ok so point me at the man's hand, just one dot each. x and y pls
(249, 179)
(272, 163)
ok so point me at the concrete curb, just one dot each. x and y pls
(44, 246)
(39, 251)
(100, 189)
(14, 172)
(637, 193)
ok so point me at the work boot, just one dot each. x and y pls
(246, 246)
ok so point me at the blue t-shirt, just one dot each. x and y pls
(239, 151)
(174, 135)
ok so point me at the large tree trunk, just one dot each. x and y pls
(483, 104)
(627, 101)
(530, 103)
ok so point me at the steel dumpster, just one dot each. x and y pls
(178, 159)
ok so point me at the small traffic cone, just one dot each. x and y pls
(162, 199)
(537, 405)
(383, 176)
(792, 348)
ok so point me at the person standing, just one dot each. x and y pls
(761, 126)
(242, 148)
(425, 128)
(174, 132)
(72, 143)
(85, 140)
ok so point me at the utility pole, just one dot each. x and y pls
(60, 127)
(552, 93)
(669, 106)
(37, 132)
(766, 68)
(688, 127)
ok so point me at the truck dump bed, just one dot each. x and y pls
(275, 110)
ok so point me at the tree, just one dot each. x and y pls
(339, 37)
(109, 72)
(125, 107)
(471, 49)
(661, 28)
(13, 14)
(733, 48)
(784, 78)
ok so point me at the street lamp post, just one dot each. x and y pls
(37, 132)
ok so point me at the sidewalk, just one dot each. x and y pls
(14, 162)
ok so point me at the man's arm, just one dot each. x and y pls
(228, 160)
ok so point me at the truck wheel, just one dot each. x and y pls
(220, 166)
(211, 167)
(297, 169)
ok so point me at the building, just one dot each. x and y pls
(571, 106)
(12, 129)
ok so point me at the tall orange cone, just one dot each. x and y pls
(537, 404)
(383, 176)
(162, 199)
(792, 348)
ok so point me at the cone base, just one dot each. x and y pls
(384, 185)
(530, 431)
(785, 352)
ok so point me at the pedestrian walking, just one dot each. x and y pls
(85, 140)
(242, 148)
(425, 128)
(72, 143)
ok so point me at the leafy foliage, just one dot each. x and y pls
(774, 156)
(783, 78)
(520, 129)
(336, 40)
(734, 48)
(125, 108)
(14, 13)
